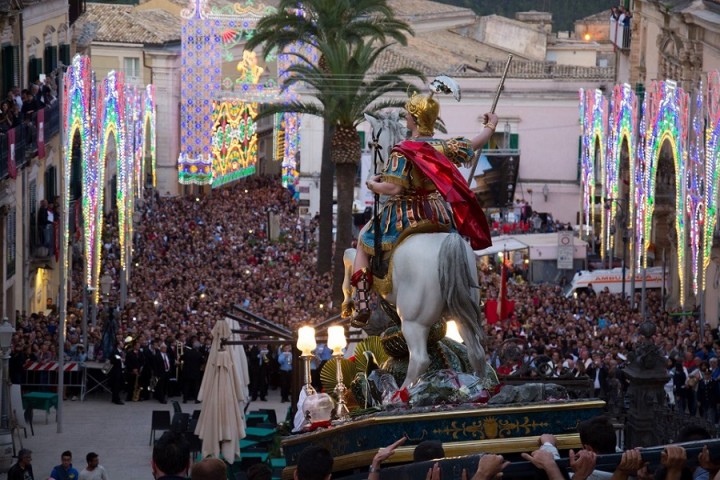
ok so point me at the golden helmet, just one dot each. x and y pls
(425, 110)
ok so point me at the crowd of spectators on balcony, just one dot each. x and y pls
(621, 15)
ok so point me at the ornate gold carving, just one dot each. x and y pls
(491, 427)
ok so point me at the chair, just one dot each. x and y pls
(160, 421)
(180, 422)
(176, 406)
(196, 414)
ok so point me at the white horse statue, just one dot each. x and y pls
(430, 276)
(433, 275)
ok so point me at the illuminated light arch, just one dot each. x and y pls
(111, 103)
(79, 118)
(622, 129)
(665, 118)
(593, 118)
(712, 154)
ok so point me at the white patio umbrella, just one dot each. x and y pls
(220, 425)
(241, 366)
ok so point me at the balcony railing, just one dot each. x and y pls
(619, 34)
(26, 136)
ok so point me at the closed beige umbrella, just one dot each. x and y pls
(220, 425)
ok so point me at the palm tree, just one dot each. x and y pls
(323, 23)
(343, 90)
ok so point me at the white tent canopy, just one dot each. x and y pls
(540, 246)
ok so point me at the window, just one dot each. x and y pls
(10, 67)
(131, 68)
(35, 68)
(50, 182)
(51, 57)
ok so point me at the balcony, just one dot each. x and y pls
(620, 34)
(26, 135)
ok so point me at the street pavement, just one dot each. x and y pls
(119, 434)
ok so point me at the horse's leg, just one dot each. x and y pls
(348, 260)
(416, 335)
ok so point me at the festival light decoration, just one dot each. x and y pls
(210, 36)
(79, 119)
(200, 71)
(234, 141)
(665, 119)
(291, 143)
(148, 133)
(622, 131)
(695, 202)
(594, 121)
(111, 130)
(712, 152)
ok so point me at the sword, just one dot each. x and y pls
(492, 110)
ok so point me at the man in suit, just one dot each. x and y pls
(134, 362)
(117, 373)
(598, 373)
(149, 352)
(191, 375)
(163, 368)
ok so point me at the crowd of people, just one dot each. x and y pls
(194, 257)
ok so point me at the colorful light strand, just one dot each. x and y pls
(712, 152)
(594, 120)
(695, 201)
(79, 119)
(291, 134)
(622, 131)
(112, 130)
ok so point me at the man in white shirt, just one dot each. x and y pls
(93, 471)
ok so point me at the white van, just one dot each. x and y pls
(599, 280)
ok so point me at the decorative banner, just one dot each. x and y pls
(712, 152)
(12, 164)
(41, 133)
(665, 118)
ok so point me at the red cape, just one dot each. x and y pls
(469, 216)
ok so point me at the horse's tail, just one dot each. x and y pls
(458, 284)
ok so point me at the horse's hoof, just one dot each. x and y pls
(347, 309)
(361, 319)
